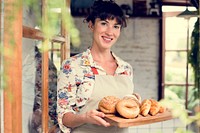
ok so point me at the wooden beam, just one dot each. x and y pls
(45, 72)
(65, 47)
(32, 33)
(12, 58)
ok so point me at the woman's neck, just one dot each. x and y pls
(101, 55)
(105, 59)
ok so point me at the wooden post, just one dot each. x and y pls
(65, 47)
(12, 64)
(45, 71)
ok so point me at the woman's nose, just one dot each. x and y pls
(109, 31)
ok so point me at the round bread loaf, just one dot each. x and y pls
(107, 104)
(128, 108)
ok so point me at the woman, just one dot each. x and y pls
(88, 77)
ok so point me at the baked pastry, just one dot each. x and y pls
(162, 109)
(107, 104)
(138, 97)
(155, 107)
(128, 108)
(135, 97)
(145, 107)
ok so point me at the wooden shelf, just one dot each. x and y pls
(32, 33)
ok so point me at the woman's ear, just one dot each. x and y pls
(90, 26)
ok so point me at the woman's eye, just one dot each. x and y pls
(117, 27)
(103, 23)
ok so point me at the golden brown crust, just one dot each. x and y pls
(162, 109)
(138, 97)
(107, 104)
(132, 97)
(155, 107)
(128, 108)
(145, 107)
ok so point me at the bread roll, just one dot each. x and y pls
(145, 107)
(107, 104)
(155, 107)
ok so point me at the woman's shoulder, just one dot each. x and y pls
(77, 59)
(74, 59)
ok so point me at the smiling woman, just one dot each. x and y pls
(94, 74)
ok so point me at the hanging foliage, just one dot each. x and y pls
(194, 59)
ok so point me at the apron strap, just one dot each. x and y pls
(94, 70)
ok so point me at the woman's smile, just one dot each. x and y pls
(107, 39)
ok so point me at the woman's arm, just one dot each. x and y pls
(67, 101)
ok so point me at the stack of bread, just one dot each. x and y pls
(130, 106)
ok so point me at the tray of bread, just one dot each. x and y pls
(132, 111)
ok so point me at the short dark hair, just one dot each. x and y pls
(106, 10)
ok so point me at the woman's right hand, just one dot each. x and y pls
(96, 117)
(93, 117)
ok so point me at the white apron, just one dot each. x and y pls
(105, 85)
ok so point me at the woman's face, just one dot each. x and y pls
(105, 33)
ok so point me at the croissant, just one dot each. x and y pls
(155, 107)
(162, 109)
(145, 107)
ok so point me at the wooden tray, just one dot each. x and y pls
(140, 120)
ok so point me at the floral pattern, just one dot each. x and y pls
(76, 82)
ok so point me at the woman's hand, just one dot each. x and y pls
(93, 117)
(96, 117)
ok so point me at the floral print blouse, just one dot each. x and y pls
(76, 81)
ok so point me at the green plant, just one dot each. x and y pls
(56, 11)
(178, 111)
(194, 60)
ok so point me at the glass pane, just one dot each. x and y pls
(32, 89)
(190, 74)
(176, 93)
(175, 67)
(176, 32)
(54, 54)
(28, 84)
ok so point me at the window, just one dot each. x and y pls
(178, 79)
